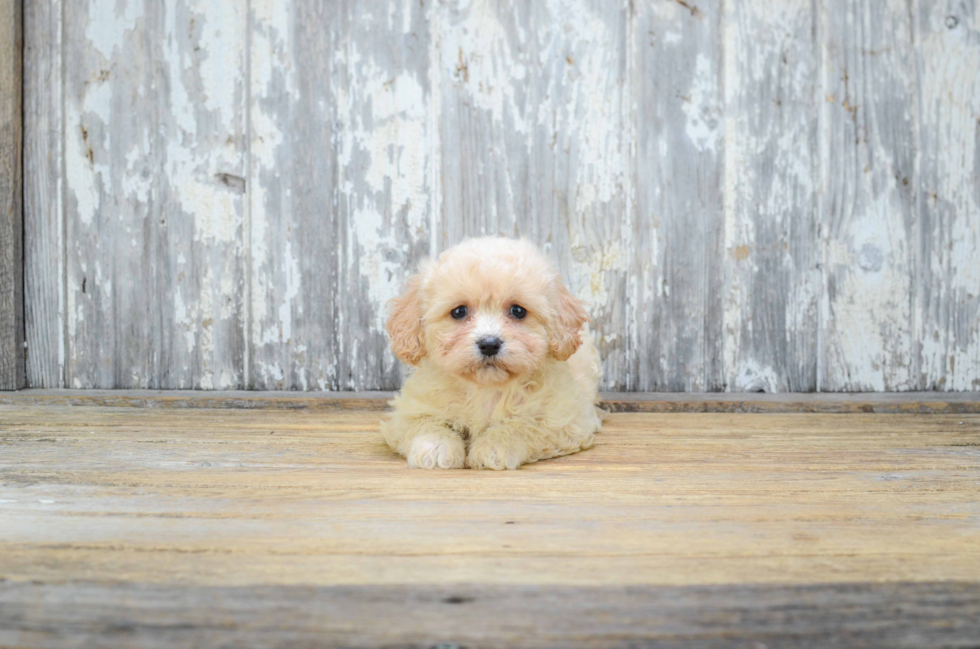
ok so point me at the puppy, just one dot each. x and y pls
(503, 373)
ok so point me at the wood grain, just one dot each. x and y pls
(154, 163)
(868, 122)
(295, 240)
(44, 244)
(125, 525)
(771, 266)
(948, 275)
(676, 285)
(487, 115)
(11, 195)
(341, 172)
(752, 195)
(85, 614)
(387, 198)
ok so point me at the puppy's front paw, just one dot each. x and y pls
(497, 452)
(436, 451)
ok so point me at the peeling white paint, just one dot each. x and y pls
(271, 59)
(703, 115)
(292, 279)
(473, 51)
(592, 109)
(949, 59)
(110, 24)
(768, 84)
(540, 102)
(220, 78)
(87, 142)
(753, 377)
(270, 55)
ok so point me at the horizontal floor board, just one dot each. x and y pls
(896, 615)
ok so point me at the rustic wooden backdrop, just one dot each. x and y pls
(750, 194)
(11, 182)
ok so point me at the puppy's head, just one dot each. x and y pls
(488, 310)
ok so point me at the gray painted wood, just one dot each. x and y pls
(341, 176)
(44, 245)
(91, 613)
(770, 256)
(223, 199)
(948, 271)
(867, 196)
(677, 231)
(154, 158)
(11, 208)
(293, 245)
(484, 106)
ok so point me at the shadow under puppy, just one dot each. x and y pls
(506, 371)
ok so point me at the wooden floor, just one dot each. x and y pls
(155, 527)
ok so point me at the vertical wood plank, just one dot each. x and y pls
(772, 279)
(948, 272)
(341, 166)
(867, 198)
(675, 277)
(486, 64)
(535, 142)
(155, 171)
(294, 243)
(44, 259)
(11, 192)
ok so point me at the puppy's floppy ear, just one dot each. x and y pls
(565, 330)
(405, 324)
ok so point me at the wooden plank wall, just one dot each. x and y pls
(775, 195)
(11, 194)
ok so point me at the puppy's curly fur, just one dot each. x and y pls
(506, 371)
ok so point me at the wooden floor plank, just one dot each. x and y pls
(445, 617)
(182, 527)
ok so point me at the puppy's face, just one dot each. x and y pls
(488, 311)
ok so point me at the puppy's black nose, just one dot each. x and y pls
(489, 346)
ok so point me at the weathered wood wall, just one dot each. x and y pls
(11, 193)
(750, 194)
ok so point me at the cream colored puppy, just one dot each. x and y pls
(503, 373)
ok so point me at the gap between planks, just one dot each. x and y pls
(823, 402)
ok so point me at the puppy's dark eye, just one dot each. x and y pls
(458, 313)
(518, 312)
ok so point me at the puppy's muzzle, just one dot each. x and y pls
(489, 346)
